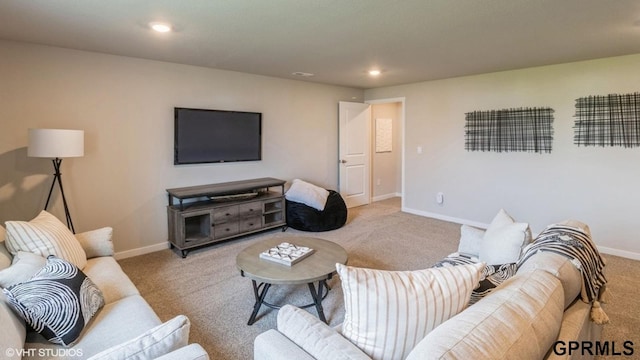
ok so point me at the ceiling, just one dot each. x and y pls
(336, 40)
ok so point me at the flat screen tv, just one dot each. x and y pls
(215, 136)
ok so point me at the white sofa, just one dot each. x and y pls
(124, 328)
(534, 314)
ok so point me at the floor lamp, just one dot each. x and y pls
(56, 144)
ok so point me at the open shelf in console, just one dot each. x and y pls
(273, 211)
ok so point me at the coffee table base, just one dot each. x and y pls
(318, 294)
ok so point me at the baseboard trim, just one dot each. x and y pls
(617, 252)
(446, 218)
(141, 251)
(603, 249)
(385, 197)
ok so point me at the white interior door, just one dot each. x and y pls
(355, 151)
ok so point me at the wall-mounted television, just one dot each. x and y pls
(214, 136)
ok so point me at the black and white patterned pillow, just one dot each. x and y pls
(491, 277)
(57, 302)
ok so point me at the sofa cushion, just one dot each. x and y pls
(114, 324)
(314, 336)
(189, 352)
(273, 345)
(109, 277)
(155, 342)
(57, 302)
(5, 255)
(12, 328)
(388, 312)
(519, 320)
(24, 266)
(45, 235)
(504, 240)
(559, 266)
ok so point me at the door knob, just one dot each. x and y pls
(343, 161)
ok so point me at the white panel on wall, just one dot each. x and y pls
(384, 135)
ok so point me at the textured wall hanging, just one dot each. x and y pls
(609, 120)
(523, 129)
(384, 137)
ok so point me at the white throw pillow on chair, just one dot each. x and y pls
(308, 194)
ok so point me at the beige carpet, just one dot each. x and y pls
(207, 287)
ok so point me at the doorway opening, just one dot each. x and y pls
(387, 144)
(371, 150)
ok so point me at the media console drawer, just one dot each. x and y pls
(250, 224)
(249, 209)
(223, 214)
(225, 230)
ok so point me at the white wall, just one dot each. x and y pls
(125, 105)
(593, 184)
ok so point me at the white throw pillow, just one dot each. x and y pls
(154, 343)
(504, 240)
(308, 194)
(45, 235)
(96, 243)
(24, 266)
(470, 240)
(388, 312)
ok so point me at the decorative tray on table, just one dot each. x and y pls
(286, 253)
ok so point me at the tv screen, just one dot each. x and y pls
(210, 136)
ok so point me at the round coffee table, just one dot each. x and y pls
(318, 267)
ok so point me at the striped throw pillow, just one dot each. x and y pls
(387, 313)
(45, 235)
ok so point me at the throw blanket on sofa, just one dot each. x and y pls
(491, 277)
(579, 247)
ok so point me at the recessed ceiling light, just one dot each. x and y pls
(374, 72)
(160, 27)
(303, 74)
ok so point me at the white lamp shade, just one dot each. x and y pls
(55, 143)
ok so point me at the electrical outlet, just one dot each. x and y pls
(440, 198)
(378, 182)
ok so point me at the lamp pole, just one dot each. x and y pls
(57, 176)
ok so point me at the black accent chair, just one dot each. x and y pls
(305, 218)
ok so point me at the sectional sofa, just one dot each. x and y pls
(541, 311)
(123, 327)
